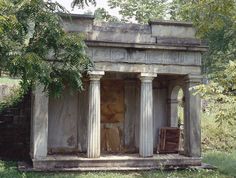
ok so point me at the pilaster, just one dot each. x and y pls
(192, 124)
(39, 124)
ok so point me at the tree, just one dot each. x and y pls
(8, 26)
(37, 49)
(102, 15)
(140, 10)
(215, 23)
(221, 94)
(82, 3)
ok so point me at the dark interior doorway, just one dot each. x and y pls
(112, 115)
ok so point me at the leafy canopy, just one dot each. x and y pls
(102, 15)
(221, 94)
(37, 49)
(140, 10)
(215, 22)
(83, 3)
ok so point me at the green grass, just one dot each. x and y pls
(226, 163)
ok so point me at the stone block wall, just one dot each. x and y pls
(15, 131)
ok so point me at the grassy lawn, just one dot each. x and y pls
(226, 163)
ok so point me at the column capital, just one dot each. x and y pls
(95, 75)
(191, 78)
(147, 77)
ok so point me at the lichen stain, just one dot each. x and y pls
(71, 141)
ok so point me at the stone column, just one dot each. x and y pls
(146, 115)
(94, 114)
(39, 124)
(192, 126)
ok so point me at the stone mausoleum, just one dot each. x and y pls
(114, 123)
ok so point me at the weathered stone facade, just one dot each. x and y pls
(129, 95)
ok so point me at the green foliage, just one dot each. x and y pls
(215, 23)
(140, 10)
(101, 15)
(37, 49)
(207, 15)
(13, 99)
(219, 118)
(221, 92)
(215, 136)
(8, 30)
(83, 3)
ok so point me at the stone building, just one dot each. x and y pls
(129, 95)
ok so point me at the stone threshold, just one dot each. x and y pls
(113, 163)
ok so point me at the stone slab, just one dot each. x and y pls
(135, 56)
(26, 167)
(83, 105)
(154, 68)
(133, 33)
(111, 162)
(63, 122)
(173, 31)
(131, 111)
(161, 44)
(159, 112)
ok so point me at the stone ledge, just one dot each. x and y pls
(170, 22)
(27, 167)
(114, 162)
(153, 68)
(173, 31)
(76, 16)
(122, 27)
(155, 46)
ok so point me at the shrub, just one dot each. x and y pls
(16, 95)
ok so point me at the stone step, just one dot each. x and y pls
(114, 162)
(24, 166)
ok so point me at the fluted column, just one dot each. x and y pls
(146, 115)
(94, 114)
(192, 125)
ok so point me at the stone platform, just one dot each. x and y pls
(114, 162)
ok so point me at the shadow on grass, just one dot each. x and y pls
(225, 162)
